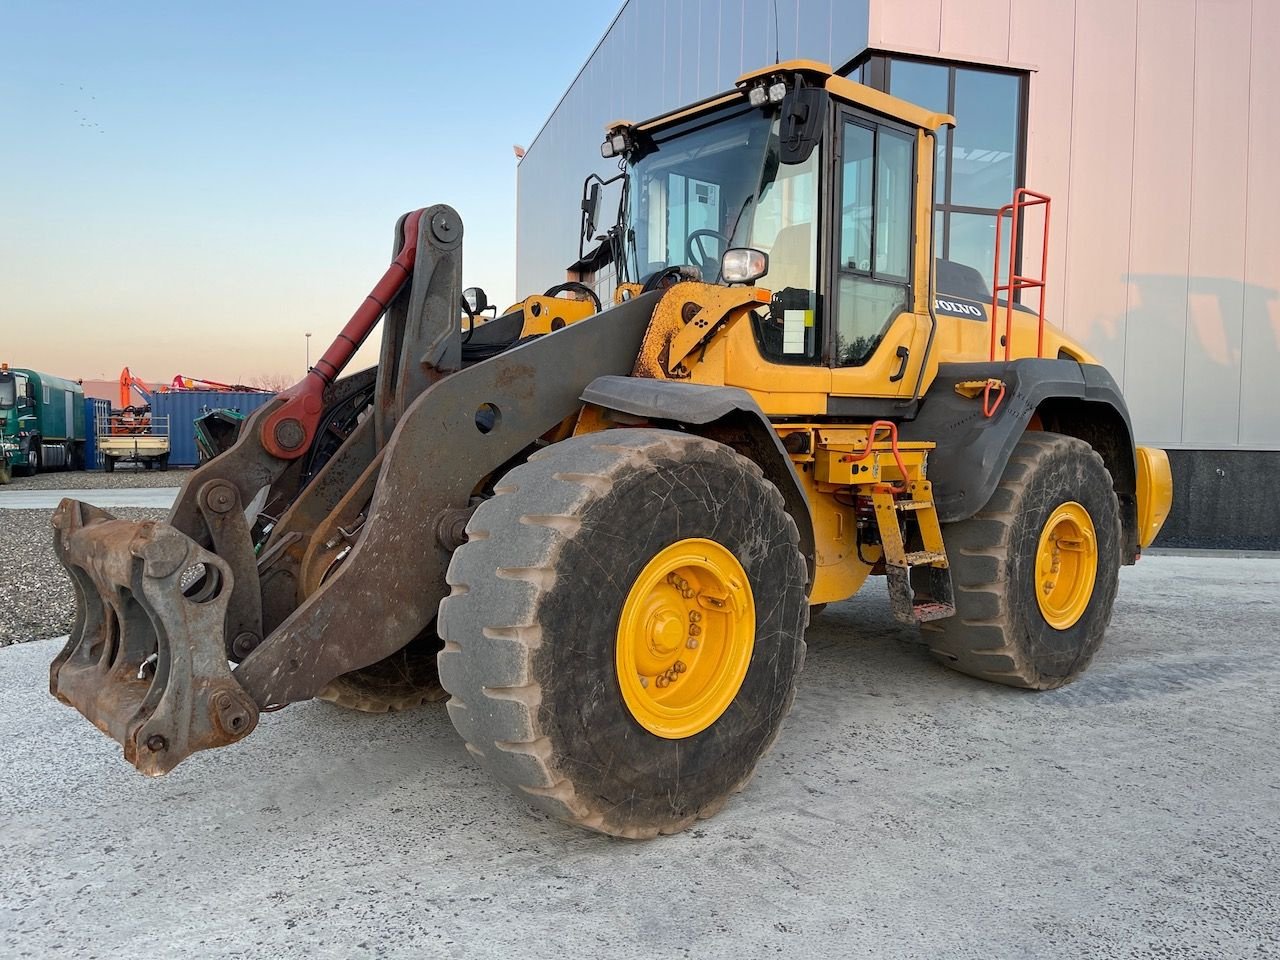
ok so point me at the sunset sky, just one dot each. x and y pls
(190, 188)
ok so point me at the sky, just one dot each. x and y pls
(189, 188)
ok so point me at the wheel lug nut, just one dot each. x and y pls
(687, 593)
(694, 630)
(695, 616)
(691, 643)
(679, 666)
(644, 682)
(663, 681)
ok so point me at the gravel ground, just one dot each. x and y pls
(35, 593)
(906, 812)
(124, 477)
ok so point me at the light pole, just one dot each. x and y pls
(308, 353)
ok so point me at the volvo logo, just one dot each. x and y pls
(958, 308)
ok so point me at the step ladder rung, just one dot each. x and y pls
(932, 610)
(913, 504)
(921, 557)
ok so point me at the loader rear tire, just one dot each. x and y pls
(406, 680)
(1035, 571)
(571, 577)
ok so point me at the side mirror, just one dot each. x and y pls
(474, 301)
(590, 204)
(802, 113)
(743, 265)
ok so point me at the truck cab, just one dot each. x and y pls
(41, 422)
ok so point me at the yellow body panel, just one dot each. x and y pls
(1155, 492)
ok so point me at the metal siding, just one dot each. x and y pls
(183, 407)
(1220, 141)
(1098, 205)
(657, 55)
(1160, 234)
(1260, 348)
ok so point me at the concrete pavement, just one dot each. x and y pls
(906, 812)
(161, 497)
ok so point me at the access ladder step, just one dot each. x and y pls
(932, 610)
(922, 557)
(913, 504)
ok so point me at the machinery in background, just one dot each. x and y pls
(132, 434)
(217, 431)
(42, 423)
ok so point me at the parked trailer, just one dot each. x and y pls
(129, 438)
(41, 422)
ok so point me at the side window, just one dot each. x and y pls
(877, 179)
(47, 398)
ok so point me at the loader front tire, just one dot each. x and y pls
(579, 673)
(1035, 571)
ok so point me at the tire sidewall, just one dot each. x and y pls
(1061, 654)
(596, 740)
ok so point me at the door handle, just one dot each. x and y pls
(903, 355)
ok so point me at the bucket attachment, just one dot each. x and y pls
(146, 661)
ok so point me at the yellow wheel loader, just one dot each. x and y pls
(601, 532)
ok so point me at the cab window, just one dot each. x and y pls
(874, 258)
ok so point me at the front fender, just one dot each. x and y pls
(726, 414)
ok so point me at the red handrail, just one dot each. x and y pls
(1018, 281)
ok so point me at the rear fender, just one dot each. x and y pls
(1062, 396)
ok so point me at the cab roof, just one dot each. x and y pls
(816, 74)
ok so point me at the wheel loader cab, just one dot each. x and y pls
(832, 181)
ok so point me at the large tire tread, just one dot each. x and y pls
(984, 639)
(497, 710)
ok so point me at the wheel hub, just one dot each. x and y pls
(1066, 565)
(685, 638)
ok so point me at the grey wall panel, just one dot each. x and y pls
(657, 55)
(1219, 204)
(1160, 231)
(1260, 348)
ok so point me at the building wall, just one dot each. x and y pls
(1152, 124)
(657, 54)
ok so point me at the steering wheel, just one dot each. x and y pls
(669, 277)
(573, 286)
(696, 251)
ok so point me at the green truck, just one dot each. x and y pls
(41, 423)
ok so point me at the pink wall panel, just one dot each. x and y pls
(906, 24)
(1160, 228)
(1042, 32)
(976, 28)
(1098, 205)
(1260, 345)
(1211, 400)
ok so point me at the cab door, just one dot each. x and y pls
(876, 333)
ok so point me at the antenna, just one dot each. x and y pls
(777, 45)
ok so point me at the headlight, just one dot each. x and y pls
(743, 264)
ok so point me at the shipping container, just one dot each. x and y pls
(182, 407)
(95, 411)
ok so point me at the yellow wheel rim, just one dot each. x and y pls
(685, 637)
(1066, 565)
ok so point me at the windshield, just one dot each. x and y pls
(8, 393)
(696, 192)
